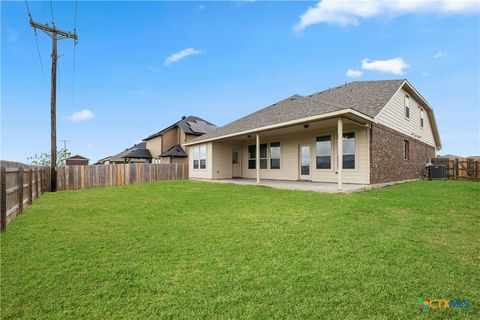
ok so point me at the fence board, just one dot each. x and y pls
(23, 184)
(94, 176)
(460, 168)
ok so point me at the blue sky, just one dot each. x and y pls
(232, 58)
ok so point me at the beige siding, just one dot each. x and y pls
(219, 158)
(201, 173)
(393, 116)
(222, 159)
(170, 138)
(289, 168)
(155, 146)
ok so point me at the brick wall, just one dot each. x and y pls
(387, 157)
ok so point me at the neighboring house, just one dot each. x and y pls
(105, 160)
(77, 161)
(362, 132)
(166, 146)
(136, 154)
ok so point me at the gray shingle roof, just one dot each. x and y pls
(138, 151)
(191, 125)
(175, 151)
(367, 97)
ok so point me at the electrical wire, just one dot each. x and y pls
(74, 53)
(36, 42)
(51, 9)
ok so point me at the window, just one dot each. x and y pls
(200, 157)
(263, 156)
(196, 157)
(349, 150)
(275, 155)
(407, 106)
(252, 157)
(406, 151)
(324, 152)
(235, 157)
(203, 156)
(421, 118)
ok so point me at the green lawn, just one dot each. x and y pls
(188, 250)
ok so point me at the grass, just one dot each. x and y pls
(200, 250)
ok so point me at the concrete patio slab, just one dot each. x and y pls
(296, 185)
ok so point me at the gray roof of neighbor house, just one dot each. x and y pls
(191, 125)
(139, 150)
(366, 97)
(175, 151)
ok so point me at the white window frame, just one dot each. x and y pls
(197, 157)
(355, 138)
(279, 155)
(422, 119)
(407, 107)
(331, 151)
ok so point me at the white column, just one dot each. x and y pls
(257, 158)
(339, 152)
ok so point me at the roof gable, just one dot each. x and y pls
(365, 97)
(191, 125)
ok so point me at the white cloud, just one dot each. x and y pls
(354, 73)
(439, 55)
(350, 12)
(396, 65)
(181, 55)
(82, 115)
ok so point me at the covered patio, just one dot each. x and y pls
(325, 187)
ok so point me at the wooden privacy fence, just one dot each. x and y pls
(83, 177)
(460, 168)
(20, 185)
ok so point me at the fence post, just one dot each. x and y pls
(20, 190)
(41, 180)
(30, 191)
(3, 205)
(36, 183)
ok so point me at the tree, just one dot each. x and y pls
(43, 159)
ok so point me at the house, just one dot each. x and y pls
(167, 145)
(105, 160)
(363, 132)
(76, 161)
(138, 153)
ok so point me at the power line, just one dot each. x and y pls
(51, 9)
(74, 53)
(36, 42)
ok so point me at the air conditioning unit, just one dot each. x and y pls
(437, 172)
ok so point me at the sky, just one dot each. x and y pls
(139, 66)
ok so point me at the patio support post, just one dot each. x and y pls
(339, 152)
(257, 158)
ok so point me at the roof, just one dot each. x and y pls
(175, 151)
(139, 150)
(366, 97)
(77, 157)
(191, 125)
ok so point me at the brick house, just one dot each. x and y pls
(363, 132)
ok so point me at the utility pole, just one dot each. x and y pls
(65, 149)
(55, 34)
